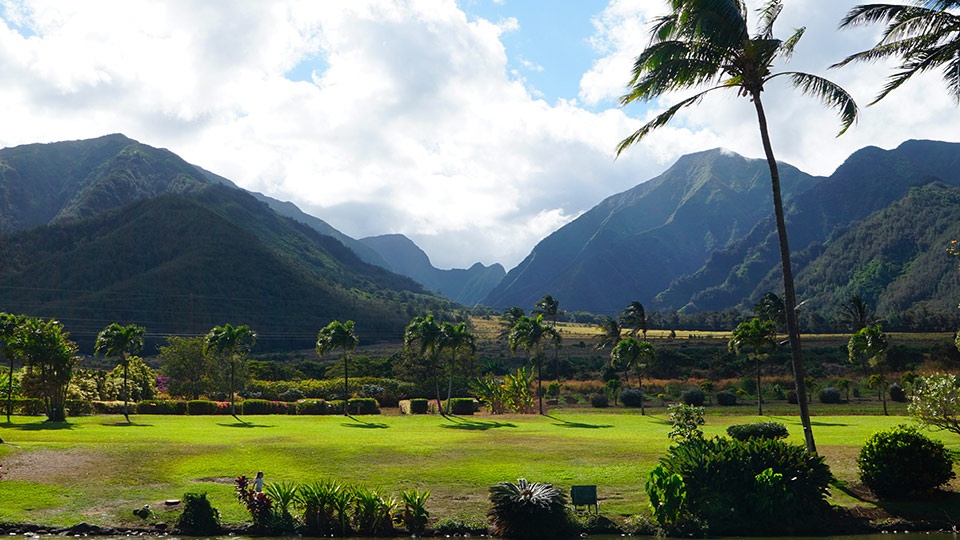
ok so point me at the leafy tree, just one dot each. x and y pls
(869, 347)
(118, 341)
(136, 378)
(9, 323)
(337, 335)
(936, 402)
(530, 334)
(424, 334)
(630, 353)
(231, 344)
(922, 36)
(49, 359)
(634, 317)
(704, 41)
(190, 369)
(610, 333)
(770, 308)
(455, 338)
(761, 336)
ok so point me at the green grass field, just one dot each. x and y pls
(98, 469)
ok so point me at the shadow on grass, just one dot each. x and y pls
(363, 425)
(124, 423)
(815, 423)
(934, 507)
(241, 424)
(39, 426)
(473, 425)
(568, 424)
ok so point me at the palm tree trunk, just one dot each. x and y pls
(453, 360)
(346, 395)
(540, 381)
(789, 293)
(759, 393)
(10, 392)
(126, 391)
(233, 409)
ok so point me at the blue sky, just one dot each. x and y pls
(474, 127)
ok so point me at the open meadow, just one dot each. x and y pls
(98, 469)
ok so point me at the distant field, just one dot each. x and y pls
(98, 469)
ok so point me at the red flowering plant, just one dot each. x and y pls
(258, 504)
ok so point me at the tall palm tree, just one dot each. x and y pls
(610, 333)
(923, 36)
(770, 308)
(634, 317)
(708, 42)
(455, 338)
(231, 343)
(630, 353)
(529, 334)
(761, 336)
(869, 345)
(424, 333)
(549, 307)
(120, 341)
(338, 335)
(8, 324)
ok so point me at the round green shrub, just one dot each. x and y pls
(726, 398)
(529, 510)
(758, 430)
(363, 406)
(897, 394)
(311, 407)
(600, 401)
(693, 397)
(830, 395)
(901, 463)
(199, 517)
(631, 397)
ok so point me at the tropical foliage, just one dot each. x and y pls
(49, 359)
(230, 345)
(120, 341)
(902, 463)
(528, 510)
(337, 335)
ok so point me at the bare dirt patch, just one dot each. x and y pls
(51, 466)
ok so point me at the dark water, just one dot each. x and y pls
(886, 536)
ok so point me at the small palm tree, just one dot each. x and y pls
(869, 346)
(549, 307)
(708, 41)
(630, 353)
(761, 336)
(508, 319)
(424, 334)
(770, 308)
(923, 36)
(634, 317)
(337, 335)
(120, 341)
(610, 333)
(855, 314)
(231, 343)
(455, 338)
(530, 334)
(528, 510)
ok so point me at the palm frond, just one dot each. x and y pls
(768, 15)
(951, 74)
(786, 48)
(661, 120)
(830, 93)
(867, 14)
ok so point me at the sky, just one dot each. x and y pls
(474, 127)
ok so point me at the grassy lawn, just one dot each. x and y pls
(98, 469)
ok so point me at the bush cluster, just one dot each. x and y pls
(463, 406)
(759, 430)
(726, 398)
(199, 517)
(902, 462)
(831, 395)
(631, 397)
(600, 401)
(693, 397)
(731, 487)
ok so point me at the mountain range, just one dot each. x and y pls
(701, 237)
(110, 229)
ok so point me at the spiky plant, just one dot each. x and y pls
(414, 515)
(528, 510)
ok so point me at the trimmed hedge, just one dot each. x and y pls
(263, 406)
(162, 406)
(463, 406)
(759, 430)
(200, 407)
(419, 406)
(312, 407)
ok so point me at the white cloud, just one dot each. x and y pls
(411, 121)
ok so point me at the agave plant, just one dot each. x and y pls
(414, 515)
(528, 510)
